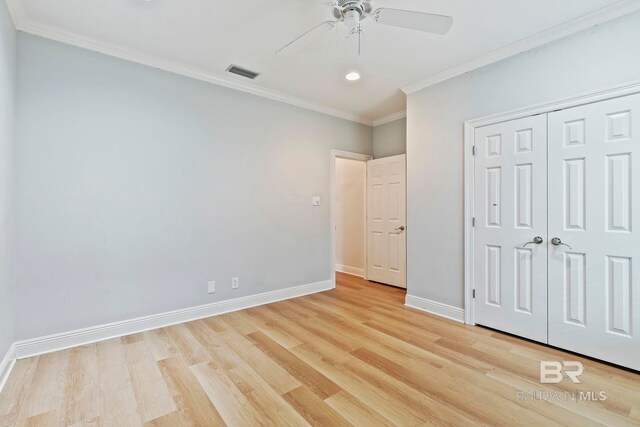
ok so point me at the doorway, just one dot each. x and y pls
(368, 217)
(348, 213)
(351, 216)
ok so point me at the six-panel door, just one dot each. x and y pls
(510, 210)
(594, 211)
(386, 221)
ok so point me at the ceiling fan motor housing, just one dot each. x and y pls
(352, 11)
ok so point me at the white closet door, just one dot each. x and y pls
(594, 207)
(510, 209)
(386, 219)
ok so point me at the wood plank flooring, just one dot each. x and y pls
(350, 356)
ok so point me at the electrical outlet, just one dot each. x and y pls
(212, 287)
(235, 283)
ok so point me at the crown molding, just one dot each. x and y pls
(616, 10)
(22, 23)
(17, 12)
(389, 118)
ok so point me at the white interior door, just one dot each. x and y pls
(594, 208)
(510, 209)
(386, 221)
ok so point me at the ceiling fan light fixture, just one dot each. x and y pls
(351, 19)
(352, 76)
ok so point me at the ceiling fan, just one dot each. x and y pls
(352, 12)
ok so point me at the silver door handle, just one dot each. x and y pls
(537, 240)
(557, 242)
(401, 228)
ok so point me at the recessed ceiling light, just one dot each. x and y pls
(353, 76)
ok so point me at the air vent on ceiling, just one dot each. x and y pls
(242, 72)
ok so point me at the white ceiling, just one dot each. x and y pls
(202, 38)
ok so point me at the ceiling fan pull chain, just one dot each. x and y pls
(359, 39)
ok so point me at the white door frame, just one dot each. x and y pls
(333, 155)
(469, 184)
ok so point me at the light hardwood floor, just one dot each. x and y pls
(353, 355)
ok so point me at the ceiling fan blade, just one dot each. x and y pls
(306, 38)
(429, 22)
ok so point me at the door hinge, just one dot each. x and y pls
(473, 150)
(473, 221)
(474, 294)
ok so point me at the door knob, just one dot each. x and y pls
(537, 240)
(401, 228)
(556, 241)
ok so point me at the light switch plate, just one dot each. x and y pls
(315, 201)
(212, 287)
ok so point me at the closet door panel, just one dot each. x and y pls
(594, 213)
(510, 208)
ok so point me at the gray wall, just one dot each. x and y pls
(135, 187)
(604, 56)
(8, 83)
(390, 139)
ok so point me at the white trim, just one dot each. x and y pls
(437, 308)
(469, 202)
(354, 271)
(18, 16)
(469, 132)
(6, 365)
(581, 23)
(333, 155)
(17, 12)
(389, 118)
(617, 91)
(51, 343)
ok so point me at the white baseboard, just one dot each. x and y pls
(6, 365)
(437, 308)
(354, 271)
(51, 343)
